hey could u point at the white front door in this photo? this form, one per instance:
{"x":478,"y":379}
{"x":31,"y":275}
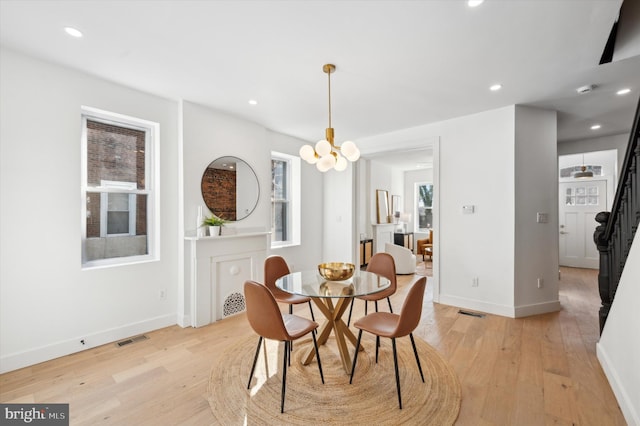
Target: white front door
{"x":579,"y":204}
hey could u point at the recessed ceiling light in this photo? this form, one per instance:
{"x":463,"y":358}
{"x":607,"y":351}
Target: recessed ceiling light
{"x":623,"y":91}
{"x":73,"y":32}
{"x":495,"y":87}
{"x":595,"y":127}
{"x":253,"y":102}
{"x":474,"y":3}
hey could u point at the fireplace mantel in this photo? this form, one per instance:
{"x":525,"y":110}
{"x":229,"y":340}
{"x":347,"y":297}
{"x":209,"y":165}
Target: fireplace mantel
{"x":215,"y":271}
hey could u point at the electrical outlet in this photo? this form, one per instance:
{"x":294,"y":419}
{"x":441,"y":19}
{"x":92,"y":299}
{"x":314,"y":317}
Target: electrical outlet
{"x":162,"y":294}
{"x":475,"y":282}
{"x":540,"y":282}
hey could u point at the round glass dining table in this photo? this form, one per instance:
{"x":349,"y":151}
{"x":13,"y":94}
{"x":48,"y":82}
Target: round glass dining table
{"x":323,"y":293}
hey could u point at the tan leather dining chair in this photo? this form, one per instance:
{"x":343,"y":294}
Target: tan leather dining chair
{"x":381,"y":264}
{"x":385,"y":324}
{"x":267,"y":320}
{"x":276,"y":267}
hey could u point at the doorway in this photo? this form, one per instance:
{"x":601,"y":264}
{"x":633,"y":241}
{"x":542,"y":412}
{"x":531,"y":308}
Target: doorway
{"x":580,"y":200}
{"x":579,"y":203}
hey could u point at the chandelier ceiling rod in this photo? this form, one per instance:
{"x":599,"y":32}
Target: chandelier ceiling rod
{"x":329,"y":68}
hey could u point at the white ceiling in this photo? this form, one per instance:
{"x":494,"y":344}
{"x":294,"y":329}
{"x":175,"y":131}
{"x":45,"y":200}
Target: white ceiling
{"x":399,"y":63}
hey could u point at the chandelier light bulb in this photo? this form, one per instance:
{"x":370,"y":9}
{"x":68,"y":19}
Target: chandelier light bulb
{"x":341,"y":163}
{"x":323,"y":148}
{"x":325,"y":163}
{"x":350,"y":150}
{"x":308,"y":154}
{"x":330,"y":159}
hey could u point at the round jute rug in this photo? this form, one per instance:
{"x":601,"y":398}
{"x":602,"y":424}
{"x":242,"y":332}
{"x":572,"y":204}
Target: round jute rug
{"x":370,"y":400}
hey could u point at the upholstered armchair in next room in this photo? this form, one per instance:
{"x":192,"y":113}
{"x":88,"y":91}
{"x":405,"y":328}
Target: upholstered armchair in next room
{"x":426,"y":243}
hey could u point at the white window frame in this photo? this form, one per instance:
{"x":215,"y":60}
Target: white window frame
{"x":152,"y":185}
{"x":294,"y":219}
{"x":416,"y":193}
{"x":104,"y":206}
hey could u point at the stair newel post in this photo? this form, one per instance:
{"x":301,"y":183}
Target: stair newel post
{"x":603,"y":276}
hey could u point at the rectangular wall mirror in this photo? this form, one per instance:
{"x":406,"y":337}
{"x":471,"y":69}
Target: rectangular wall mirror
{"x":382,"y":204}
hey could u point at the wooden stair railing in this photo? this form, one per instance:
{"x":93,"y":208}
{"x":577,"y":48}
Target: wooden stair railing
{"x":614,"y":235}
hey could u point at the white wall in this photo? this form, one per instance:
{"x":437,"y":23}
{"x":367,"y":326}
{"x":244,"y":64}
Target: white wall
{"x":47,"y":303}
{"x":477,"y":166}
{"x":619,"y":346}
{"x":338,"y":222}
{"x":536,"y":191}
{"x":309,"y":253}
{"x":210,"y":134}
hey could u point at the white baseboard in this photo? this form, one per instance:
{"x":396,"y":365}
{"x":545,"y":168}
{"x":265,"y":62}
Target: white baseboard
{"x":505,"y":311}
{"x":184,"y":320}
{"x":629,"y":412}
{"x":33,"y":356}
{"x":537,"y":309}
{"x":476,"y":305}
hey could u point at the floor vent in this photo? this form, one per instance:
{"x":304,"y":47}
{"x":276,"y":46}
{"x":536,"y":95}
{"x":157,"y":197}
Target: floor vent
{"x":131,"y":340}
{"x":471,"y":314}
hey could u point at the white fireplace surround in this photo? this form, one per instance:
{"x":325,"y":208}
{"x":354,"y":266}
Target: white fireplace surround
{"x":382,"y":234}
{"x":216,"y":269}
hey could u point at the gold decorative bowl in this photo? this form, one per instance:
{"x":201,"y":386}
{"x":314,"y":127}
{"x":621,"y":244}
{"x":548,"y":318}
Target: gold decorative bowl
{"x":336,"y":271}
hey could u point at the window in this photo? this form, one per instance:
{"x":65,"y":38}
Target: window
{"x":582,"y":196}
{"x":568,"y":172}
{"x":424,"y":206}
{"x":285,"y":200}
{"x":119,"y":201}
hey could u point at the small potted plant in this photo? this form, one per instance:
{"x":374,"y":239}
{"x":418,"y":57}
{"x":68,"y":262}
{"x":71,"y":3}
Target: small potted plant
{"x":214,"y":223}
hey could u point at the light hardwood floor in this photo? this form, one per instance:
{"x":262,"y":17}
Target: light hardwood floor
{"x":531,"y":371}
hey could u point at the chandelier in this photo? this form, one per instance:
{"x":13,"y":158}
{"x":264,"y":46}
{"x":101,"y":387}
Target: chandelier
{"x":327,"y":154}
{"x":583,"y":173}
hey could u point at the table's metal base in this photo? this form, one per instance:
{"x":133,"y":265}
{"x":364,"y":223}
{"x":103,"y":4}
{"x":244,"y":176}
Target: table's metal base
{"x":334,"y":322}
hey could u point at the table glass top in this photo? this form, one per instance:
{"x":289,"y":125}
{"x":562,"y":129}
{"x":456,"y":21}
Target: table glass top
{"x":310,"y":283}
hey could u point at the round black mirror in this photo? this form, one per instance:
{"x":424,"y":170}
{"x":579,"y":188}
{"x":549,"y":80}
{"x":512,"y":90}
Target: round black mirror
{"x":230,"y":188}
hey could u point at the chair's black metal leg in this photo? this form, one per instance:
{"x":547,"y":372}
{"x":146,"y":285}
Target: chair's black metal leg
{"x":395,"y":362}
{"x":415,"y":352}
{"x":284,"y":374}
{"x":290,"y":343}
{"x":353,"y":301}
{"x":315,"y":344}
{"x":376,"y":303}
{"x":390,"y":308}
{"x":255,"y":360}
{"x":366,"y":305}
{"x":355,"y":356}
{"x":377,"y":347}
{"x":311,"y":309}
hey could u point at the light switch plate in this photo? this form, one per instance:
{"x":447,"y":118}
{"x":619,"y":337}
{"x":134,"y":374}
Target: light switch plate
{"x":468,"y":209}
{"x":542,"y":217}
